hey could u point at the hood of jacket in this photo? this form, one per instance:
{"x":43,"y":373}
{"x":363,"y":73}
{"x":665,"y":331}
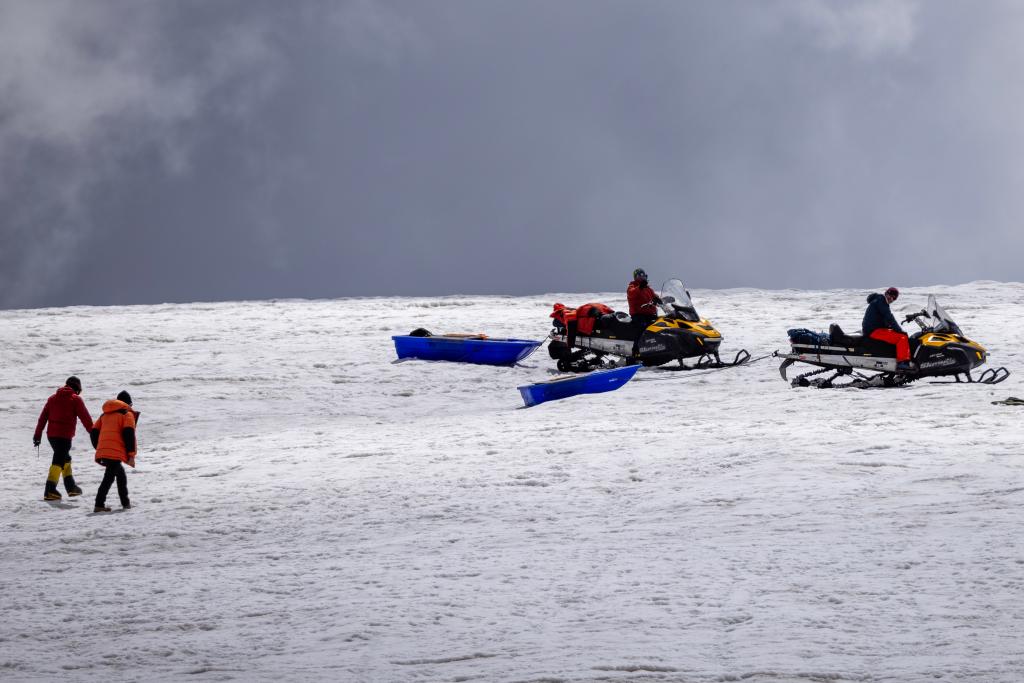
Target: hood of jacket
{"x":65,"y":393}
{"x":115,"y":406}
{"x":874,"y":296}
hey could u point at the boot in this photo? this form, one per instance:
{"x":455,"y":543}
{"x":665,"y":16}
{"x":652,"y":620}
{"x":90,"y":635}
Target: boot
{"x":51,"y":492}
{"x":101,"y":508}
{"x":71,"y":487}
{"x":69,"y":481}
{"x":52,"y":477}
{"x":126,"y":505}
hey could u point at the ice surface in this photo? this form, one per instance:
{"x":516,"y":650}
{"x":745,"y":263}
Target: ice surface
{"x":306,"y":510}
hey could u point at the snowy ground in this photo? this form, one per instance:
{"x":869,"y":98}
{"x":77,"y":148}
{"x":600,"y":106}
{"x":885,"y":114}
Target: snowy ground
{"x":305,"y":510}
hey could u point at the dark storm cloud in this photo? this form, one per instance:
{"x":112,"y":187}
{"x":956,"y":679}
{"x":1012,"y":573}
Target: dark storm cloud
{"x":196,"y":151}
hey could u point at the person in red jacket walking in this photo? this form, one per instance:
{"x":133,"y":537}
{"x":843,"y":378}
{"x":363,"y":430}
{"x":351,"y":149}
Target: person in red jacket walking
{"x":62,"y":412}
{"x":113,"y":436}
{"x":643,"y":305}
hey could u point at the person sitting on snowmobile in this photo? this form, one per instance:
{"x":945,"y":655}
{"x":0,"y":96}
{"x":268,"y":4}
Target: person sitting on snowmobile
{"x":643,"y":305}
{"x":879,"y":323}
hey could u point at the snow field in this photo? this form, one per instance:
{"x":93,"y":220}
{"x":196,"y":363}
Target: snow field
{"x":306,"y":510}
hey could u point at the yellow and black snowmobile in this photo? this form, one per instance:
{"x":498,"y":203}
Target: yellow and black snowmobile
{"x":587,"y":337}
{"x":939,"y":349}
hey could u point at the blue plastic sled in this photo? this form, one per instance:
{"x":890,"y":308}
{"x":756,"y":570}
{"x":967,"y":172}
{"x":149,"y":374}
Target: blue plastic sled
{"x":465,"y":350}
{"x":592,"y":383}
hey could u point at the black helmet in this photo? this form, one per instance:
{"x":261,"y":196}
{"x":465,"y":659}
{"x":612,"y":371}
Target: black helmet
{"x":125,"y":397}
{"x":639,"y":274}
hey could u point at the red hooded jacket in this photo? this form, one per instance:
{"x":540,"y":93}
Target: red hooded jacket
{"x":641,"y":299}
{"x":61,"y":411}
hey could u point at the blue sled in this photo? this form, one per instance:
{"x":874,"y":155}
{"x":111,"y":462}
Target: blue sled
{"x":465,"y":350}
{"x":592,"y":383}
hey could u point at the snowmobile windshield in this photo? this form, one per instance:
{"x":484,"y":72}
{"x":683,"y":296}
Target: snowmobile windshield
{"x":676,"y":301}
{"x":941,"y":322}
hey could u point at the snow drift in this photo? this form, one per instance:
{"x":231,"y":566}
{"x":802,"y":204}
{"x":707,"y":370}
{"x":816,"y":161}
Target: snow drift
{"x":305,"y":510}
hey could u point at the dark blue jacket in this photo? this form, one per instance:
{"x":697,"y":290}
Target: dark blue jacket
{"x":878,"y":316}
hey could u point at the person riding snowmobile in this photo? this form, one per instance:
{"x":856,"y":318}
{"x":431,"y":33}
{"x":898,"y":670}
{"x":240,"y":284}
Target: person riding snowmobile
{"x":879,"y":323}
{"x":643,"y":305}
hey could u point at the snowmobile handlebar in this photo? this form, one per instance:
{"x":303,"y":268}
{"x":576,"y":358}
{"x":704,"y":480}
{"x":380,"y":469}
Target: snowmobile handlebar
{"x":915,"y":316}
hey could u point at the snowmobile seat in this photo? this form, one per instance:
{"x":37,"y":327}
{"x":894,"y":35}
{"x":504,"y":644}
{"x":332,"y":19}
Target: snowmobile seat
{"x":868,"y":344}
{"x":617,"y":324}
{"x":837,"y":336}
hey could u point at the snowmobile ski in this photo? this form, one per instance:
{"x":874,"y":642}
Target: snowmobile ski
{"x":711,"y":362}
{"x":695,"y":372}
{"x":989,"y":376}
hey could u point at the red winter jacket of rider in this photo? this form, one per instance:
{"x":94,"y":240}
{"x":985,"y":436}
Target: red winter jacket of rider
{"x":641,"y":298}
{"x":61,"y":411}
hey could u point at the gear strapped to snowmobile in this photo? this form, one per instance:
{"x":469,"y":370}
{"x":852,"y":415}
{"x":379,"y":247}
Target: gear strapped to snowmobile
{"x":939,"y":349}
{"x":584,"y":338}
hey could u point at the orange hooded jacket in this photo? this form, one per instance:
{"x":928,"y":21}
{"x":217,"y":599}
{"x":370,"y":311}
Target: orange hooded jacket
{"x":114,"y":433}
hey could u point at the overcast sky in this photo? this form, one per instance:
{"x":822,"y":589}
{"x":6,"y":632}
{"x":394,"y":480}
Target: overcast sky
{"x":251,"y":149}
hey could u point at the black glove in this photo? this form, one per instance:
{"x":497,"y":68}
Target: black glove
{"x":910,"y":317}
{"x":36,"y":442}
{"x":657,"y":300}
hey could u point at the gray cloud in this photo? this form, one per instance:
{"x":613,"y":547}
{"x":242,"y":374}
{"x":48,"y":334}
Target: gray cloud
{"x":869,"y":29}
{"x":85,"y":88}
{"x":191,"y":151}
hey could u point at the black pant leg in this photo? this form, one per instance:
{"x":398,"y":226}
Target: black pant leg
{"x":61,"y":450}
{"x":640,"y":323}
{"x":108,"y":478}
{"x":122,"y":483}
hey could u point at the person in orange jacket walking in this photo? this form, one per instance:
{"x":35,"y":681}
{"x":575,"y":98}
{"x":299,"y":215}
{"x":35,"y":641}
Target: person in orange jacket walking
{"x":113,"y":436}
{"x":60,"y":417}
